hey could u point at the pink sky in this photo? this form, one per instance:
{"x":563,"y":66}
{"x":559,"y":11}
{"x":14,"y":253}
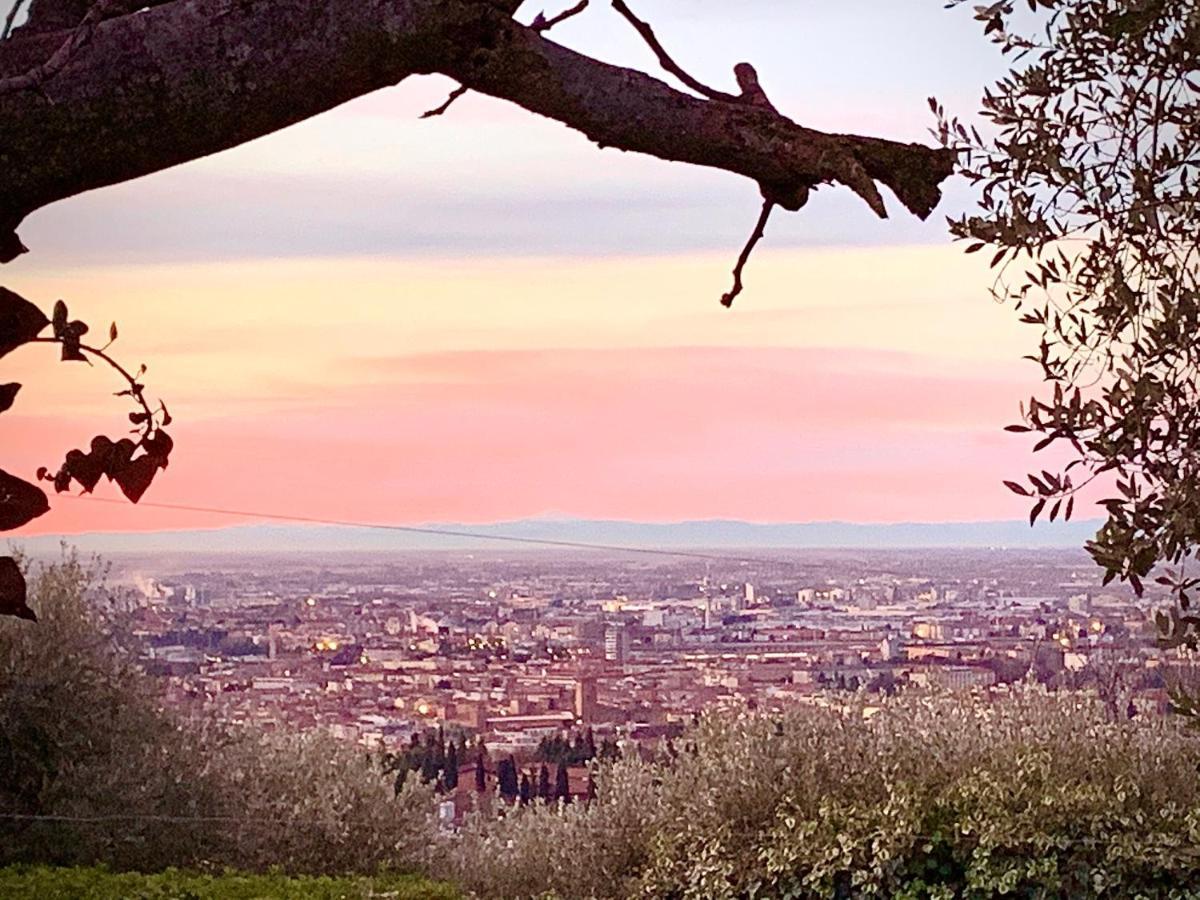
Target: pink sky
{"x":854,"y":409}
{"x":372,"y":317}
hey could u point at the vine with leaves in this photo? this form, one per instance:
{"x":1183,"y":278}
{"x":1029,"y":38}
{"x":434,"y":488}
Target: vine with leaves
{"x":131,"y":462}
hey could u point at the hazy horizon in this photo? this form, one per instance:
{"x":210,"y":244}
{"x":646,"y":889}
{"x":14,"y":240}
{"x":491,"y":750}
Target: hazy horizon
{"x":515,"y":535}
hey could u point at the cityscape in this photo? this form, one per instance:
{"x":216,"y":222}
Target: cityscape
{"x":506,"y":651}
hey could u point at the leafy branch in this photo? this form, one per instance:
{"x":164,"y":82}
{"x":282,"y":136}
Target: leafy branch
{"x":1089,"y":202}
{"x":130,"y":462}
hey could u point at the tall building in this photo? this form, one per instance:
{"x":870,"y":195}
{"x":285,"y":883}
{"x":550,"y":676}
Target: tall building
{"x":889,"y":647}
{"x":749,"y":595}
{"x":616,"y":644}
{"x":585,"y":699}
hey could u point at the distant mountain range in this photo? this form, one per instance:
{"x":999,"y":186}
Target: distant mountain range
{"x":706,"y":534}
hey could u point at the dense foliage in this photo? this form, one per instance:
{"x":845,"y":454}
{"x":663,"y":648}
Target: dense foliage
{"x":1088,"y":206}
{"x":93,"y":769}
{"x":46,"y":883}
{"x":1036,"y":795}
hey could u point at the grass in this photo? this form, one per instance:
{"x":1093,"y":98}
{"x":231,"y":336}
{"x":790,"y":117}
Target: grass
{"x":50,"y":883}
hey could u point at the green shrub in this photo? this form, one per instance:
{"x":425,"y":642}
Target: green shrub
{"x":93,"y":769}
{"x":47,"y":883}
{"x":1033,"y":795}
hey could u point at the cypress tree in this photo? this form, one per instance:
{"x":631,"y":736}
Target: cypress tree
{"x":439,"y":748}
{"x":430,"y":769}
{"x":508,"y":778}
{"x":589,"y":743}
{"x":526,"y":790}
{"x":562,"y":784}
{"x":544,"y":784}
{"x":480,"y":773}
{"x":450,"y":776}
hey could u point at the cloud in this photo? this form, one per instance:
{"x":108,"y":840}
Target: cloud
{"x":692,"y":432}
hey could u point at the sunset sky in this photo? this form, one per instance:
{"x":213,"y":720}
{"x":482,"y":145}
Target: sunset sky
{"x":482,"y":317}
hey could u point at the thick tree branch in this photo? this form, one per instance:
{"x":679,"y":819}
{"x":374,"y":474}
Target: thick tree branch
{"x":188,"y":78}
{"x":540,"y":24}
{"x":54,"y":15}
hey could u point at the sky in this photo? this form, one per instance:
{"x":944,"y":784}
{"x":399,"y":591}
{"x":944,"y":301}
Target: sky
{"x":482,"y":317}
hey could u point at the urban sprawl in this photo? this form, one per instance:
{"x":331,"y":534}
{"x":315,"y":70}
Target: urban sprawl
{"x":535,"y":658}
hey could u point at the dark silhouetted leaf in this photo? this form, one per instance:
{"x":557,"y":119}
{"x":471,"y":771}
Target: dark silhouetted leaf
{"x":13,"y":592}
{"x":20,"y":502}
{"x":158,"y":447}
{"x":20,"y":321}
{"x":118,"y":457}
{"x":71,"y":337}
{"x":8,"y":393}
{"x":135,"y":478}
{"x":60,"y":318}
{"x":86,"y":468}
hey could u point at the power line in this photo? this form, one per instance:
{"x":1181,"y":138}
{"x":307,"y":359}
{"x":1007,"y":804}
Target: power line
{"x":1156,"y":841}
{"x":452,"y":533}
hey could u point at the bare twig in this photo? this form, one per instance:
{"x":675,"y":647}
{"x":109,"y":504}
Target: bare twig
{"x":665,"y":60}
{"x":136,"y":390}
{"x":752,"y":92}
{"x":437,"y":111}
{"x":759,"y":229}
{"x":12,"y":17}
{"x":540,"y":24}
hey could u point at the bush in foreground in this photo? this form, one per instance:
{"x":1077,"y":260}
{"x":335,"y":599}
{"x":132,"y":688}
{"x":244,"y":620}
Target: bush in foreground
{"x":94,"y":769}
{"x":1033,"y":795}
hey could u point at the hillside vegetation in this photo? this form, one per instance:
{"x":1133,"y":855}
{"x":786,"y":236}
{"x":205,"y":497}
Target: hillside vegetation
{"x":1030,"y":795}
{"x":94,"y":770}
{"x":1034,"y":796}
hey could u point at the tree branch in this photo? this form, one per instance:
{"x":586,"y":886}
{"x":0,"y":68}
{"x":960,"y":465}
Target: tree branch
{"x":540,"y":24}
{"x":664,"y":58}
{"x":187,"y":78}
{"x":55,"y":15}
{"x":441,"y":110}
{"x":760,"y":229}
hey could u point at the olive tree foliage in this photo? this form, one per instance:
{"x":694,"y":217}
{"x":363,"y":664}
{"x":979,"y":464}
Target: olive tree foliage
{"x":914,"y":797}
{"x":95,"y":769}
{"x":1088,"y":181}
